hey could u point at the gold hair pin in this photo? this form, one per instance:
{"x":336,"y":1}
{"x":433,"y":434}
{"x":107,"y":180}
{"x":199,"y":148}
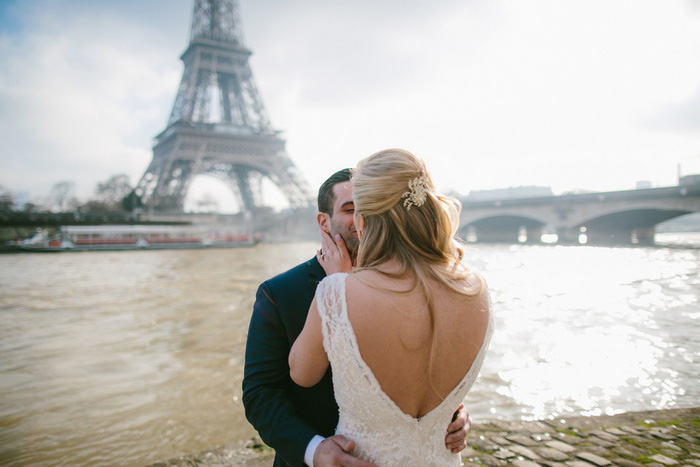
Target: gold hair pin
{"x":416,"y":194}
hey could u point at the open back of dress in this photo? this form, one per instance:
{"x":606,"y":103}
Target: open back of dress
{"x":382,"y":432}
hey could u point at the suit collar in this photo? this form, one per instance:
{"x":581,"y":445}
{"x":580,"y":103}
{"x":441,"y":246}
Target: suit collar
{"x":315,"y":269}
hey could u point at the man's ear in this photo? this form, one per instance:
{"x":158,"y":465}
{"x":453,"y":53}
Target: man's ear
{"x":324,"y":222}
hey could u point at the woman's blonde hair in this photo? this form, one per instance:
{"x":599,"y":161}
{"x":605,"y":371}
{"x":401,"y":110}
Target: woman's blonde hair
{"x":407,"y":220}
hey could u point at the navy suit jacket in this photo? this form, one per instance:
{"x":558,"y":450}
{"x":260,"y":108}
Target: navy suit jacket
{"x":285,"y":415}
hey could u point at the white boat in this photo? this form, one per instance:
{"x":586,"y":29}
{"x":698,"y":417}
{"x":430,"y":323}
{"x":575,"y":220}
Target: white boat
{"x":138,"y":237}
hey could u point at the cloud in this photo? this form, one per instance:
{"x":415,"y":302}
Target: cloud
{"x":495,"y":94}
{"x":83,"y":92}
{"x":681,"y":116}
{"x":491,"y":93}
{"x":356,"y":52}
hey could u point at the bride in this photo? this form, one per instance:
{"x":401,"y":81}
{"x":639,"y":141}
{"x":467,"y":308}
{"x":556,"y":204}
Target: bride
{"x":406,"y":332}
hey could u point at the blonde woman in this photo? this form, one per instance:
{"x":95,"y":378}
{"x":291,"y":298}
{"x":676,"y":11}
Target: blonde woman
{"x":406,"y":332}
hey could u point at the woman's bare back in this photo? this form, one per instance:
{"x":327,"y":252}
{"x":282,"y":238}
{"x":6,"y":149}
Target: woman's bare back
{"x":395,"y":338}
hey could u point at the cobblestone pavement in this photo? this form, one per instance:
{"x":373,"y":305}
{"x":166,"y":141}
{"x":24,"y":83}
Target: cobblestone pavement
{"x":653,"y":439}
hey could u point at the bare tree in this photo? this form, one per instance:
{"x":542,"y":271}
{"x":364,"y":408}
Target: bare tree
{"x":7,"y":199}
{"x":62,"y":196}
{"x":113,"y":191}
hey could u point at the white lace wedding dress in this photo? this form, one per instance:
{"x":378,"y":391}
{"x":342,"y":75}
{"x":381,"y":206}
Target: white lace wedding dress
{"x":383,"y":433}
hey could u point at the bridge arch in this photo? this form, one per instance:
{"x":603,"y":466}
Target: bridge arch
{"x":502,"y":227}
{"x":636,"y":225}
{"x":608,"y":217}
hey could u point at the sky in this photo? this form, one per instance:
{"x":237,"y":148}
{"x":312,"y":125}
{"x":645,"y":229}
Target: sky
{"x":574,"y":95}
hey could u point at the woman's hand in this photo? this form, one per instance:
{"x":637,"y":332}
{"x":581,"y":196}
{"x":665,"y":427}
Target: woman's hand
{"x":333,"y":255}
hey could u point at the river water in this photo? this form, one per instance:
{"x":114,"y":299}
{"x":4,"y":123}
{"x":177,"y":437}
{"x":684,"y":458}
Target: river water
{"x":135,"y":357}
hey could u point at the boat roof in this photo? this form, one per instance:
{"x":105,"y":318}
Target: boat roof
{"x":136,"y":229}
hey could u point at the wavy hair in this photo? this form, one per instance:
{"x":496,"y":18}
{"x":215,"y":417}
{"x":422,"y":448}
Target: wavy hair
{"x":422,"y":238}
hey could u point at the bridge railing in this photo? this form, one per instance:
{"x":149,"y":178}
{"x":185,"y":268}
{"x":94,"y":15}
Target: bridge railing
{"x":648,"y":193}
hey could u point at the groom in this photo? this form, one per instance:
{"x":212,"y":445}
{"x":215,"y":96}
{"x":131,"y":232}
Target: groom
{"x":291,"y":419}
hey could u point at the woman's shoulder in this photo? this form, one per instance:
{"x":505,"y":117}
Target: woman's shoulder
{"x":330,"y":293}
{"x":468,"y":281}
{"x":469,"y":294}
{"x":362,"y":275}
{"x":335,"y":278}
{"x":477,"y":281}
{"x":358,"y":281}
{"x":368,"y":280}
{"x":333,"y":284}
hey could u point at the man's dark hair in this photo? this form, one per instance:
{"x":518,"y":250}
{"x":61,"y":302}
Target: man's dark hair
{"x":325,"y":193}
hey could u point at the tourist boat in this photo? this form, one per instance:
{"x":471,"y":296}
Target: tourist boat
{"x":137,"y":237}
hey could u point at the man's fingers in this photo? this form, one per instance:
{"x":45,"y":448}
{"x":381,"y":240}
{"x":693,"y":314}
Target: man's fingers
{"x":350,"y":461}
{"x":459,"y":410}
{"x":455,"y":438}
{"x":337,"y":451}
{"x":457,"y":424}
{"x":459,"y":448}
{"x":345,"y":444}
{"x":459,"y":419}
{"x":456,"y":441}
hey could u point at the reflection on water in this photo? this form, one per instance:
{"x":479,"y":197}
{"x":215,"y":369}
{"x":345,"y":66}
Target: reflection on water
{"x":134,"y":357}
{"x":590,"y":330}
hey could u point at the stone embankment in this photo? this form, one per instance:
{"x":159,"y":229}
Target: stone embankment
{"x":653,"y":439}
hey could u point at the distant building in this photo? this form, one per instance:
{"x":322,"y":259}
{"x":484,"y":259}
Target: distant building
{"x":510,"y":193}
{"x":689,"y":180}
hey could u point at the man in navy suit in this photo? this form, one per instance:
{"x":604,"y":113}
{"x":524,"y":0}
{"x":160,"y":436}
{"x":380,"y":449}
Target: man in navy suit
{"x":298,"y":423}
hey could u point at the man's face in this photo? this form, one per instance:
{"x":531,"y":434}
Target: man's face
{"x":341,"y":220}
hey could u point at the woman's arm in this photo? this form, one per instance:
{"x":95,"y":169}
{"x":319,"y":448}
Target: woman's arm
{"x":308,"y":361}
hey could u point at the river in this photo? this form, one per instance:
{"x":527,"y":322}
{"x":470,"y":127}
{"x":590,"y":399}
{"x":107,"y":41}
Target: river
{"x":135,"y":357}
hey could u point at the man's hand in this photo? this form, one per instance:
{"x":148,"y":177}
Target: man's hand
{"x":456,"y":439}
{"x":335,"y":451}
{"x":334,"y":256}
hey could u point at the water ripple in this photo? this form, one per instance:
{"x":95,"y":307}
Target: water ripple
{"x":138,"y":356}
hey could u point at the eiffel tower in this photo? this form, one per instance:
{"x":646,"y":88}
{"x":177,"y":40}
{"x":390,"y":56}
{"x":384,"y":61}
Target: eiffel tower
{"x":218,"y":125}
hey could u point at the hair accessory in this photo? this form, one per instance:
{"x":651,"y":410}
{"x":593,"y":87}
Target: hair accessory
{"x":416,"y":194}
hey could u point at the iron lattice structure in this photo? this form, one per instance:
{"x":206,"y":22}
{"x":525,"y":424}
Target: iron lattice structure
{"x":218,"y":125}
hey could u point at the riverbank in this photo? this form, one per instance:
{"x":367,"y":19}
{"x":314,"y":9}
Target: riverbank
{"x":652,"y":438}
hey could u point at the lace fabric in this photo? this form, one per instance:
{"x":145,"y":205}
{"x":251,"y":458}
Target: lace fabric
{"x":382,"y":432}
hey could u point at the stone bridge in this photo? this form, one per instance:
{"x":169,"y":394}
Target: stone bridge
{"x":615,"y":217}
